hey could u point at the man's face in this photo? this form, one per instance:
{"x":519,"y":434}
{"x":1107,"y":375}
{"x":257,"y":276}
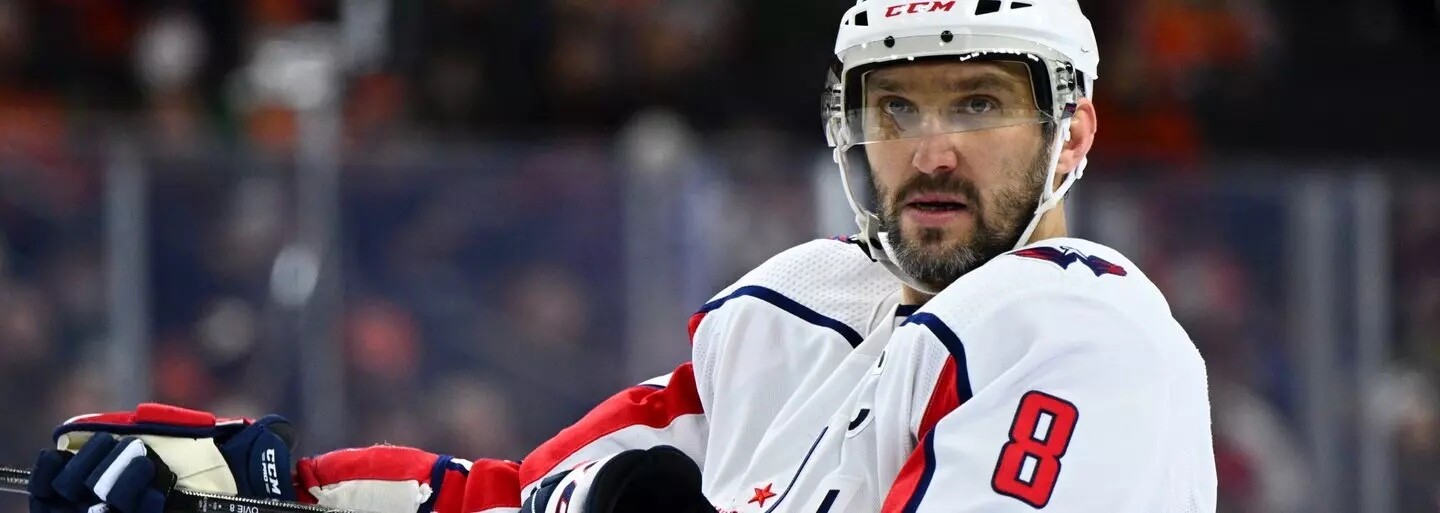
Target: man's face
{"x":958,"y":160}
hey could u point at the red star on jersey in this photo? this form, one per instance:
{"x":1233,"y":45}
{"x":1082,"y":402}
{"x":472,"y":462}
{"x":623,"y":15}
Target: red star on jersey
{"x":762,"y":495}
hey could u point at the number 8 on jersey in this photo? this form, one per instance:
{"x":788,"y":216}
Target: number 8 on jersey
{"x":1038,"y":439}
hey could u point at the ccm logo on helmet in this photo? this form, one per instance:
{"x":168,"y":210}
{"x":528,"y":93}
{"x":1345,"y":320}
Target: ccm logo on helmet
{"x":915,"y":7}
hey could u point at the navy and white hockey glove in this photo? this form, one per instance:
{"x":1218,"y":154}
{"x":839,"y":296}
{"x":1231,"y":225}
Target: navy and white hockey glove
{"x":635,"y":481}
{"x":129,"y":461}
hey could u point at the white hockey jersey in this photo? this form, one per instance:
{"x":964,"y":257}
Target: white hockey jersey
{"x":1052,"y":378}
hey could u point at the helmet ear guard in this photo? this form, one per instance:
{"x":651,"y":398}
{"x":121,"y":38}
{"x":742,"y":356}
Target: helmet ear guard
{"x":832,"y":105}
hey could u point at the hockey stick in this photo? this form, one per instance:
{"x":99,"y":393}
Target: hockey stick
{"x":186,"y":501}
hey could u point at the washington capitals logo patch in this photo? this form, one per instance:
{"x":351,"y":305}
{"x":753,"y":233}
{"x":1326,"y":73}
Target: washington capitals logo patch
{"x":1063,"y":257}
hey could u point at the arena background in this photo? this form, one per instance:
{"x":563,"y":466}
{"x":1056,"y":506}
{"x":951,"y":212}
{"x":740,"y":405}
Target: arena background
{"x":457,"y":224}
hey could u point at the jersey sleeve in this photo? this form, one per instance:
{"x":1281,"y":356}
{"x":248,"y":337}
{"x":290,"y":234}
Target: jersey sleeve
{"x":823,"y":291}
{"x":662,"y":411}
{"x":1054,"y":401}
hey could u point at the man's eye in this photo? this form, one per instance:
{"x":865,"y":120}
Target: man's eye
{"x":978,"y":105}
{"x":897,"y":107}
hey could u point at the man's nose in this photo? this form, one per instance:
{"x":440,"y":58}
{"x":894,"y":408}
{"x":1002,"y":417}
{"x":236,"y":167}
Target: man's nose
{"x":936,"y":154}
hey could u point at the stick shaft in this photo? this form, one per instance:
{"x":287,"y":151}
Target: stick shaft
{"x":187,"y":501}
{"x":14,"y":481}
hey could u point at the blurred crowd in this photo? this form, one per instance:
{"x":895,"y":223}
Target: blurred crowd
{"x":1178,"y":78}
{"x":482,"y":200}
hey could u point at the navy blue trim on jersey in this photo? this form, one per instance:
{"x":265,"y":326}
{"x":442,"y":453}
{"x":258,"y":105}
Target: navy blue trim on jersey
{"x":796,"y":477}
{"x":651,"y":386}
{"x":437,"y":480}
{"x":791,"y":306}
{"x":952,"y":343}
{"x":914,"y":504}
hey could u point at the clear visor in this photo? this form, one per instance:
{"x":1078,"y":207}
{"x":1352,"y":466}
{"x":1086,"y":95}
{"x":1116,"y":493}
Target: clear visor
{"x":909,"y":100}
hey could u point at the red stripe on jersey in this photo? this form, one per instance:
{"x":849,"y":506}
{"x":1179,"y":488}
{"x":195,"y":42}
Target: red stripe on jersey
{"x":943,"y":399}
{"x":634,"y":406}
{"x":695,"y":325}
{"x":491,"y":484}
{"x":908,"y":482}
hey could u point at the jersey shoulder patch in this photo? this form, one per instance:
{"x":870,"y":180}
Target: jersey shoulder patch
{"x":1063,"y":256}
{"x":1079,"y":269}
{"x":1068,"y":254}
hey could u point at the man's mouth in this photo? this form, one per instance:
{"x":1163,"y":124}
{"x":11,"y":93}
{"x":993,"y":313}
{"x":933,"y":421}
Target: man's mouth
{"x":935,"y":210}
{"x":936,"y":203}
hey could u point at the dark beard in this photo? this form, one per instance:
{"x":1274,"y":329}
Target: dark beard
{"x":997,"y":224}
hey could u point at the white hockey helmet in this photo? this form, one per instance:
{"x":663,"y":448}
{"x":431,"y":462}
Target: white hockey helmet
{"x":1052,"y":37}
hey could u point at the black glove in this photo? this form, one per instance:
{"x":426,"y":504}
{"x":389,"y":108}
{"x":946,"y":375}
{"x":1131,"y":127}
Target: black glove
{"x":659,"y":479}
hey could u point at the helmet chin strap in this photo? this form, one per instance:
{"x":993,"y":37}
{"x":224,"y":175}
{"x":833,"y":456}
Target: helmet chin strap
{"x":875,"y":244}
{"x":885,"y":258}
{"x":1050,"y":196}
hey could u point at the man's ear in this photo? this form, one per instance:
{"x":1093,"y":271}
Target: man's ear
{"x":1078,"y":140}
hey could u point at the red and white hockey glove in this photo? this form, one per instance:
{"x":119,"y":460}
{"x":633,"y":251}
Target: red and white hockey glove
{"x":635,"y":481}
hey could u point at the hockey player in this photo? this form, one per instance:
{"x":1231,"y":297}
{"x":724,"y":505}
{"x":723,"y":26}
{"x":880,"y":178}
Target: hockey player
{"x":960,"y":354}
